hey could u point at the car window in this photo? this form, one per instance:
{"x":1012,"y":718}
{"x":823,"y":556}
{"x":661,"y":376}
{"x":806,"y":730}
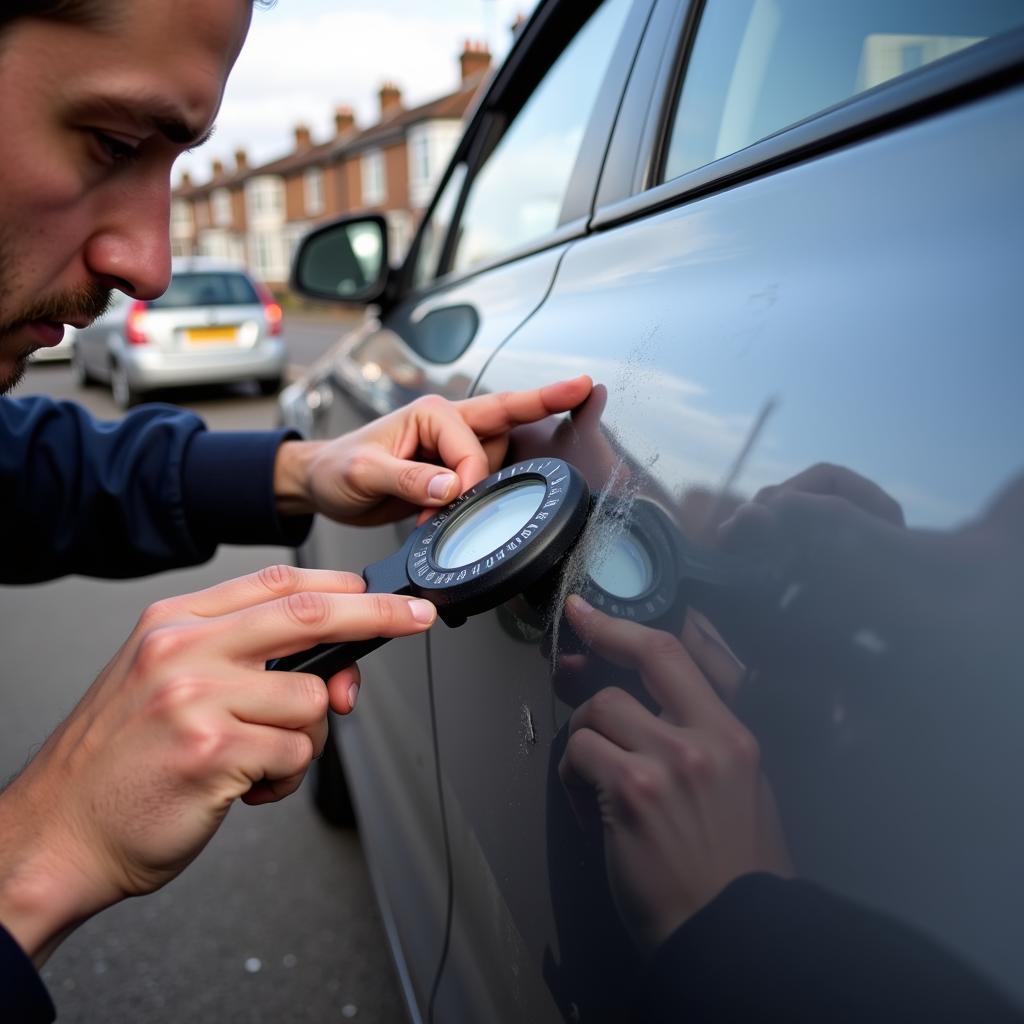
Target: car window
{"x":207,"y":289}
{"x":435,"y":229}
{"x":758,"y":66}
{"x":517,"y":195}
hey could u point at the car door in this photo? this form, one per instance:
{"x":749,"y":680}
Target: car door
{"x":804,"y":256}
{"x":518,"y":190}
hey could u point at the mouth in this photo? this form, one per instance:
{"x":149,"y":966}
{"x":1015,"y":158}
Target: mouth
{"x":47,"y":332}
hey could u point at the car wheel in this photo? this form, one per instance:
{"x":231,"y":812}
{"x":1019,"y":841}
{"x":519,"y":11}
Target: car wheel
{"x":125,"y":396}
{"x":331,"y":796}
{"x":270,"y":386}
{"x":79,"y":373}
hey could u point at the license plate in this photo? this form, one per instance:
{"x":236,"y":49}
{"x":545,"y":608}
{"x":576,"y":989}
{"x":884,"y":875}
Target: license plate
{"x":205,"y":335}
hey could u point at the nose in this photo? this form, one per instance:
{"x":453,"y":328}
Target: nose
{"x":131,"y":249}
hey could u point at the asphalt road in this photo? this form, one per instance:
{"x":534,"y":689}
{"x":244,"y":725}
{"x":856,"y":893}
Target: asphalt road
{"x":275,"y":922}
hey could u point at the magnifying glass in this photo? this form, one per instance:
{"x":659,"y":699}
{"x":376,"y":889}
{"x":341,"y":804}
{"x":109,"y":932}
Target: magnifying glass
{"x":498,"y":539}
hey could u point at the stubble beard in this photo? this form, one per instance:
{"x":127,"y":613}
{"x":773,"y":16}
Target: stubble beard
{"x":87,"y":302}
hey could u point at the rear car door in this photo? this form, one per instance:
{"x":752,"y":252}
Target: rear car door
{"x":517,"y":192}
{"x":804,"y":253}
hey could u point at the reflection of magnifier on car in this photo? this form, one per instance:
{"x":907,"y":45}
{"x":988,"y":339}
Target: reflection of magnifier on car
{"x":499,"y":538}
{"x":641,"y":567}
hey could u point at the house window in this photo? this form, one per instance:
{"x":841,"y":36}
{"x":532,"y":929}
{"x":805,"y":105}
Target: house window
{"x":181,"y":216}
{"x":220,"y":202}
{"x":313,"y":189}
{"x":265,"y":198}
{"x":374,"y":187}
{"x":267,"y":256}
{"x":430,"y":146}
{"x":419,"y":157}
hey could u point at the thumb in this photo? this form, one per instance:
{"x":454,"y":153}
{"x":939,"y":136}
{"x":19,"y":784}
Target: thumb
{"x":418,"y":483}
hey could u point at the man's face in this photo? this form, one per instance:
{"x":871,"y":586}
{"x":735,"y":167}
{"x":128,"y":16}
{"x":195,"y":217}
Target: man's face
{"x":91,"y":121}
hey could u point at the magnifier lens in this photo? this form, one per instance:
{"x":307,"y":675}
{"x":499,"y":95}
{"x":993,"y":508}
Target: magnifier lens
{"x":625,"y":570}
{"x":494,"y":520}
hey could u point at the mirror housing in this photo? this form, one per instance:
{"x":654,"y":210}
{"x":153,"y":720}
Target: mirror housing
{"x":344,"y":261}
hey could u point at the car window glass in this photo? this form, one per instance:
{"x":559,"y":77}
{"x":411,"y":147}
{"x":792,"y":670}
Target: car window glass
{"x":516,"y":196}
{"x":207,"y":289}
{"x":435,"y":229}
{"x":760,"y":65}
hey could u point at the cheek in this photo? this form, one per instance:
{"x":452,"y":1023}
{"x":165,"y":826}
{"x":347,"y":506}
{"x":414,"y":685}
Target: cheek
{"x":42,"y":246}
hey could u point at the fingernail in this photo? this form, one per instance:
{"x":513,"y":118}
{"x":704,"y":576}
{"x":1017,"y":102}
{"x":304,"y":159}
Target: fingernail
{"x":440,"y":485}
{"x":422,"y":611}
{"x":353,"y":693}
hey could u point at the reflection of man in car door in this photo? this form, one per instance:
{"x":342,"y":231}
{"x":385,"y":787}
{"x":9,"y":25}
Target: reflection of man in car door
{"x":696,"y":859}
{"x":97,"y":99}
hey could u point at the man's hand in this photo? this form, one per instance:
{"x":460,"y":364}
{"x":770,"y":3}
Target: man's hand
{"x":684,"y":805}
{"x":421,"y":456}
{"x":182,"y":722}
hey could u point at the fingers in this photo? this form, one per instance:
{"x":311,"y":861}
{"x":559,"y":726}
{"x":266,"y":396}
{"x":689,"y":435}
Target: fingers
{"x":471,"y":436}
{"x":668,"y":671}
{"x":827,"y":479}
{"x":488,"y":415}
{"x":268,"y":584}
{"x":712,"y":656}
{"x":444,"y":429}
{"x":592,"y":761}
{"x":417,"y":483}
{"x":294,"y":623}
{"x":343,"y":690}
{"x":620,"y":718}
{"x":271,"y":754}
{"x":287,"y":700}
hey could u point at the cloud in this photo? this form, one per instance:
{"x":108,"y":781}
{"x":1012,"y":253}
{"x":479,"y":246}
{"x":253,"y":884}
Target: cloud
{"x":300,"y":62}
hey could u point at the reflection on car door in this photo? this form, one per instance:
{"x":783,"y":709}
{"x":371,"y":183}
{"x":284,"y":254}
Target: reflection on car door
{"x":856,"y":309}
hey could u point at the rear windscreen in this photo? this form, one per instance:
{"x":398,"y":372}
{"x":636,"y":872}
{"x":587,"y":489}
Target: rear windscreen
{"x":212,"y":288}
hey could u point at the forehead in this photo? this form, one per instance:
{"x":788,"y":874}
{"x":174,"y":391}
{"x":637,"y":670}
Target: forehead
{"x":165,"y":59}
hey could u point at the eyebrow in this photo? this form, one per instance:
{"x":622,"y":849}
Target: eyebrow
{"x":144,"y":111}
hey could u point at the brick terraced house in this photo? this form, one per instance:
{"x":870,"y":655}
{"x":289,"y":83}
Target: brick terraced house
{"x":256,"y":215}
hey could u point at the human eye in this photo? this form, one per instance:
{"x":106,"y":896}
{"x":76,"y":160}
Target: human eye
{"x":113,"y":149}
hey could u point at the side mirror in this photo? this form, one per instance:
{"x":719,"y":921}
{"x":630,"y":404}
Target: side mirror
{"x":344,"y":261}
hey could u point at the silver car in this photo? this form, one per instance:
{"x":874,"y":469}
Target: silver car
{"x":57,"y":353}
{"x":213,"y":325}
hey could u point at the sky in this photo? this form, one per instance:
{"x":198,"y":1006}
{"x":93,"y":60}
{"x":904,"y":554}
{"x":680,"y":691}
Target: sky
{"x":303,"y":58}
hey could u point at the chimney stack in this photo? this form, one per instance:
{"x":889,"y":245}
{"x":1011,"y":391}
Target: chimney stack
{"x":474,"y":60}
{"x":303,"y":140}
{"x":241,"y":160}
{"x":218,"y":169}
{"x":390,"y":100}
{"x":344,"y":121}
{"x":185,"y":180}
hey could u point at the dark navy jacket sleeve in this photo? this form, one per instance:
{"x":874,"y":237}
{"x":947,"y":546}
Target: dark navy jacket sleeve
{"x":23,"y":997}
{"x":767,"y":949}
{"x":152,"y":491}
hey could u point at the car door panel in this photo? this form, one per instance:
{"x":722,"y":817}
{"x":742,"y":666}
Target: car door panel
{"x":858,"y":309}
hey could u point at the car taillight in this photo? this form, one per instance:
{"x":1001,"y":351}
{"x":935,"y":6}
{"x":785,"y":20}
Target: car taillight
{"x":133,"y":325}
{"x":271,"y":310}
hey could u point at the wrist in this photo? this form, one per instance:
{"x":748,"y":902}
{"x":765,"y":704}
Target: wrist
{"x":292,"y":491}
{"x":44,"y":891}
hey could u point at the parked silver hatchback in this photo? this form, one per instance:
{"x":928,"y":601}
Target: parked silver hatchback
{"x":213,"y":325}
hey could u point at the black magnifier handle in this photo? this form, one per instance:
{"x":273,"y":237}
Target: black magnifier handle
{"x":387,"y":576}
